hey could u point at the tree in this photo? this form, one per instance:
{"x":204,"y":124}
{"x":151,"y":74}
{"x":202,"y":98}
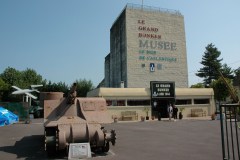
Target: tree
{"x":48,"y":86}
{"x":30,"y":77}
{"x":237,"y":71}
{"x":211,"y":65}
{"x":198,"y":85}
{"x":3,"y":85}
{"x":221,"y":91}
{"x":83,"y":86}
{"x":3,"y":88}
{"x":227,"y":71}
{"x":236,"y":80}
{"x":21,"y":79}
{"x":11,"y":76}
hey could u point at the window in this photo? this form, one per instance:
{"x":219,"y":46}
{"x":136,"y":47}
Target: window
{"x":109,"y":102}
{"x":183,"y":101}
{"x":115,"y":102}
{"x":120,"y":102}
{"x":201,"y":101}
{"x":138,"y":102}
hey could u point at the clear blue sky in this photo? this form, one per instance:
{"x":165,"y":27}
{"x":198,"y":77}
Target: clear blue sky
{"x":65,"y":40}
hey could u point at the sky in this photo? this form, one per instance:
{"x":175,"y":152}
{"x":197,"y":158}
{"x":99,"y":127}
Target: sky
{"x":67,"y":40}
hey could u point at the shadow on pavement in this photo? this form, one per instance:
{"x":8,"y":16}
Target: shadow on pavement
{"x":32,"y":147}
{"x":29,"y":147}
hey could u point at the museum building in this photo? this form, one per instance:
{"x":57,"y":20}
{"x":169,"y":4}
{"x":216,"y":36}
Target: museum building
{"x":146,"y":69}
{"x":146,"y":44}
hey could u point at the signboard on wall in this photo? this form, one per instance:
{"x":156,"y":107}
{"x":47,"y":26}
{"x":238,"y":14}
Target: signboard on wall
{"x":162,"y":89}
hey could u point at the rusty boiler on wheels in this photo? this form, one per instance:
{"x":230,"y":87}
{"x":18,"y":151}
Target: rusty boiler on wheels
{"x":75,"y":120}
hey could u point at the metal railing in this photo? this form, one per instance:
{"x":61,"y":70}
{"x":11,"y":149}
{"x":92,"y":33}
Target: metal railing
{"x":149,"y":9}
{"x":229,"y":121}
{"x":152,"y":9}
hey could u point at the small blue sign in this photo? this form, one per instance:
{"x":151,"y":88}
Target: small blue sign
{"x":159,"y":66}
{"x":152,"y":67}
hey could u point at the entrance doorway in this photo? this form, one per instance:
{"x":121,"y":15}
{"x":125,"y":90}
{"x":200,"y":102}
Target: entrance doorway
{"x":162,"y":94}
{"x":160,"y":106}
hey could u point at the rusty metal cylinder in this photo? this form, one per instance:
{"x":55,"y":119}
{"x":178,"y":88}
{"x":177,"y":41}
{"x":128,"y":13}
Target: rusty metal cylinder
{"x":80,"y":133}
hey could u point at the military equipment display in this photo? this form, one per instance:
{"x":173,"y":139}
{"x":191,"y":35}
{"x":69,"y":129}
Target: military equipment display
{"x":229,"y":121}
{"x":230,"y":89}
{"x":75,"y":120}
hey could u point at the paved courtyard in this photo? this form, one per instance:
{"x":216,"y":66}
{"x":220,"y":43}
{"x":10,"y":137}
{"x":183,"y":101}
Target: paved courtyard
{"x":180,"y":140}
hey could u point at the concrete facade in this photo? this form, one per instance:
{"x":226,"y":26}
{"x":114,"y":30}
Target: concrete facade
{"x":146,"y":44}
{"x":187,"y":99}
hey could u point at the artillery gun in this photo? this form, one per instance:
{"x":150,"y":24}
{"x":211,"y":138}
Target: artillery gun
{"x":231,"y":90}
{"x":75,"y":120}
{"x":230,"y":124}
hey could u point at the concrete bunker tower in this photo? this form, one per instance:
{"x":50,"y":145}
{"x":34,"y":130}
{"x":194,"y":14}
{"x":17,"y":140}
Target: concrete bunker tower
{"x":146,"y":44}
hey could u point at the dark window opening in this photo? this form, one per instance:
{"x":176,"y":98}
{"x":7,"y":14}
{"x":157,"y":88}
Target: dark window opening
{"x":109,"y":103}
{"x":201,"y":101}
{"x":183,"y":101}
{"x":138,"y":102}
